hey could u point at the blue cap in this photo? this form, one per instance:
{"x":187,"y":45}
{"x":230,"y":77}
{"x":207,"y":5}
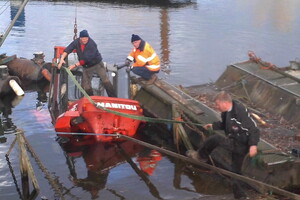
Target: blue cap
{"x":84,"y":33}
{"x":135,"y":38}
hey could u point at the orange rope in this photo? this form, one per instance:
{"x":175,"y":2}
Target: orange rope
{"x":264,"y":65}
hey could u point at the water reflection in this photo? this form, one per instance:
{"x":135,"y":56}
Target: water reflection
{"x":8,"y":102}
{"x":14,"y":8}
{"x":6,"y":124}
{"x":42,"y":95}
{"x":164,"y":34}
{"x":203,"y":181}
{"x":19,"y":26}
{"x":216,"y":38}
{"x":100,"y":158}
{"x":106,"y":162}
{"x":41,"y":87}
{"x":148,"y":2}
{"x":281,"y":14}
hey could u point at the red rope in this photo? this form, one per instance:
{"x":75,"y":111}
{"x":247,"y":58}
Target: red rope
{"x":264,"y":65}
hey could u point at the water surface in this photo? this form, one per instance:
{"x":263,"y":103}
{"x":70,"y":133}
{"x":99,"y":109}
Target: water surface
{"x":195,"y":41}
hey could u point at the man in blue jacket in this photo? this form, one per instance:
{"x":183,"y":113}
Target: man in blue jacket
{"x":91,"y":61}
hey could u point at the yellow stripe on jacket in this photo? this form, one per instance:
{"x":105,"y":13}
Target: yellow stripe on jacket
{"x":147,"y":58}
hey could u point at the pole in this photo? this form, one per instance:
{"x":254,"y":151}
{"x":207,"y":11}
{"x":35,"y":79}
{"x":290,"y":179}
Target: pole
{"x":3,"y":37}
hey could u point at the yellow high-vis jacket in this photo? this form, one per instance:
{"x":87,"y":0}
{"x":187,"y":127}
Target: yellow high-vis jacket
{"x":145,"y":56}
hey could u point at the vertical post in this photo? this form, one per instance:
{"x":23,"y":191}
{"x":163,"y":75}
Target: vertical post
{"x":115,"y":81}
{"x":178,"y":127}
{"x":128,"y":84}
{"x":23,"y":168}
{"x":26,"y":170}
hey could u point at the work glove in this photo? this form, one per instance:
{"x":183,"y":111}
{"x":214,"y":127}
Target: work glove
{"x":127,"y":62}
{"x":128,"y":69}
{"x":120,"y":67}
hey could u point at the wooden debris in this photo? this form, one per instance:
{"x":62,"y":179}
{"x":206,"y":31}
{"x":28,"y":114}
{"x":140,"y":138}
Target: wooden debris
{"x":259,"y":119}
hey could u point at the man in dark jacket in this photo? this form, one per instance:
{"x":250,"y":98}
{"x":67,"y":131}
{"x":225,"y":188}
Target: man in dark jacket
{"x":91,"y":61}
{"x":242,"y":136}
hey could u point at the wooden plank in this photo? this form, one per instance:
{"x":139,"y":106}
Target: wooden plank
{"x":179,"y":95}
{"x":204,"y":114}
{"x":25,"y":164}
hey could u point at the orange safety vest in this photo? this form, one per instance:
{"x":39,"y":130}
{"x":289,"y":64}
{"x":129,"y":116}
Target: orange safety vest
{"x":146,"y":57}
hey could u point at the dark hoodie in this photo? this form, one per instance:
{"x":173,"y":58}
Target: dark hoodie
{"x":90,"y":55}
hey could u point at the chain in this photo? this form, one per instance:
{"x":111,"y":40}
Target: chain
{"x":75,"y":25}
{"x":14,"y":177}
{"x":75,"y":30}
{"x":54,"y":185}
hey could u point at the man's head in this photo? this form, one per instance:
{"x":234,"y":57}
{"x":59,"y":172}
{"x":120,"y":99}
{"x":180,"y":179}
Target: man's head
{"x":84,"y":36}
{"x":135,"y":40}
{"x":223,"y":101}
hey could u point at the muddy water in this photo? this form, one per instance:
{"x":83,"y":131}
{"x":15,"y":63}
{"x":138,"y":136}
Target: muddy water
{"x":195,"y":42}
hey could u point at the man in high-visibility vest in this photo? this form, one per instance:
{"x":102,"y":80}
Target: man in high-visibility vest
{"x":146,"y":61}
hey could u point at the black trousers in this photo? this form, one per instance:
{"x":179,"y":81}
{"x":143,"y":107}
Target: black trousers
{"x":238,"y":153}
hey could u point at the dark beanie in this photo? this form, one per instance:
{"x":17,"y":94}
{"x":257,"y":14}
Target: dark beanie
{"x":135,"y":38}
{"x":84,"y":33}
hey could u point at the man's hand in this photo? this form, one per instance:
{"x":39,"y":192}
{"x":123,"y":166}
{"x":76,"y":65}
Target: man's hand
{"x":62,"y":60}
{"x":128,"y":69}
{"x":120,"y":66}
{"x":252,"y":151}
{"x":207,"y":126}
{"x":72,"y":67}
{"x":127,"y":62}
{"x":60,"y":63}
